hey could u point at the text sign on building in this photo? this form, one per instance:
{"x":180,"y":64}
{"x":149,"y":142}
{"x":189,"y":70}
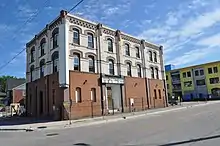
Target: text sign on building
{"x":113,"y":80}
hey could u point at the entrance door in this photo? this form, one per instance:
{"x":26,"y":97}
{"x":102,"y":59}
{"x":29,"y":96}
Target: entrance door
{"x":110,"y":99}
{"x":41,"y":102}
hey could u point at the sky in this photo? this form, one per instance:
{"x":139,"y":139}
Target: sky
{"x":189,"y":30}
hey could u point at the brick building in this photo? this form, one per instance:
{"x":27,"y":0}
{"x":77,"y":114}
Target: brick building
{"x":77,"y":68}
{"x":19,"y":94}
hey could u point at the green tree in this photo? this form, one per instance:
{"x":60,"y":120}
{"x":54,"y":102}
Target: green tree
{"x":3,"y":80}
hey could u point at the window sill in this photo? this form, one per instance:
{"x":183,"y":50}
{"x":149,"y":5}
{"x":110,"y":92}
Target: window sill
{"x":110,"y":52}
{"x":54,"y":48}
{"x":42,"y":55}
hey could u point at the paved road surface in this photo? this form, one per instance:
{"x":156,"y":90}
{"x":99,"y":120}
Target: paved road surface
{"x":199,"y":126}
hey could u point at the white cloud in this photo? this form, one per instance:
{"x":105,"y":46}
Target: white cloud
{"x":211,"y":41}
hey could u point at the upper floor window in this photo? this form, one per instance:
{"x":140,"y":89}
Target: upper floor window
{"x":42,"y":46}
{"x":42,"y":64}
{"x":189,"y":74}
{"x":215,"y":69}
{"x":32,"y":54}
{"x":155,"y":57}
{"x":129,"y":69}
{"x":90,"y":40}
{"x":127,"y":50}
{"x":184,"y":75}
{"x":76,"y":61}
{"x":139,"y":70}
{"x":152,"y":72}
{"x":157,"y":73}
{"x":111,"y":66}
{"x":150,"y":56}
{"x":137,"y":52}
{"x":210,"y":70}
{"x":55,"y":60}
{"x":110,"y":45}
{"x":197,"y":73}
{"x":31,"y":72}
{"x":201,"y":72}
{"x":91,"y":64}
{"x":76,"y":36}
{"x":55,"y":34}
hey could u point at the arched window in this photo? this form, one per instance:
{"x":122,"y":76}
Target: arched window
{"x":55,"y":60}
{"x":152,"y":72}
{"x":139,"y":70}
{"x":76,"y":36}
{"x":42,"y":64}
{"x":55,"y":34}
{"x":111,"y":67}
{"x":31,"y":72}
{"x":157,"y":73}
{"x":93,"y":94}
{"x":76,"y":61}
{"x":90,"y":40}
{"x":137,"y":52}
{"x":127,"y":50}
{"x":78,"y":95}
{"x":155,"y":57}
{"x":42,"y":46}
{"x":32,"y":54}
{"x":150,"y":56}
{"x":110,"y":45}
{"x":91,"y":64}
{"x":128,"y":69}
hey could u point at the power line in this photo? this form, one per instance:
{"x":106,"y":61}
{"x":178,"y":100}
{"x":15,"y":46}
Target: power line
{"x":34,"y":16}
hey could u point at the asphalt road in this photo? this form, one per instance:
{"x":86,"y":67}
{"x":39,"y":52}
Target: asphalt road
{"x":198,"y":126}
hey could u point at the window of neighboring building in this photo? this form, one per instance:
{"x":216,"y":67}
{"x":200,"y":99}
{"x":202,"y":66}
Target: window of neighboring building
{"x":155,"y":93}
{"x":139,"y":70}
{"x":76,"y":36}
{"x":55,"y":34}
{"x":55,"y":60}
{"x":93,"y":94}
{"x":159,"y":92}
{"x":91,"y":64}
{"x":155,"y":57}
{"x":128,"y":69}
{"x":152,"y":72}
{"x":210,"y":70}
{"x":168,"y":86}
{"x":127,"y":50}
{"x":78,"y":95}
{"x":150,"y":56}
{"x":188,"y":84}
{"x":215,"y":69}
{"x":90,"y":40}
{"x":42,"y":46}
{"x":32,"y":54}
{"x":137,"y":52}
{"x":110,"y":45}
{"x":42,"y":64}
{"x":201,"y":72}
{"x":76,"y":62}
{"x":214,"y":80}
{"x":111,"y":67}
{"x":31,"y":72}
{"x":184,"y":75}
{"x":196,"y":73}
{"x":157,"y":73}
{"x":166,"y":77}
{"x":200,"y":95}
{"x":200,"y":82}
{"x":188,"y":74}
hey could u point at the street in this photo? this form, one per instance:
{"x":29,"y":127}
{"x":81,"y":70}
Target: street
{"x":197,"y":126}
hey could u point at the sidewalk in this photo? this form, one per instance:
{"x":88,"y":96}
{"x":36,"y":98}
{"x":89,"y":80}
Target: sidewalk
{"x":103,"y":119}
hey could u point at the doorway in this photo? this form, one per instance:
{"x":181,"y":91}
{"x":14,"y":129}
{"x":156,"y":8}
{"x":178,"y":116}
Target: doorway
{"x":41,"y":102}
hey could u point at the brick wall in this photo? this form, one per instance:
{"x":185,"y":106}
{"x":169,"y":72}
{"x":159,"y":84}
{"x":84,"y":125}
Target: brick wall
{"x":18,"y":96}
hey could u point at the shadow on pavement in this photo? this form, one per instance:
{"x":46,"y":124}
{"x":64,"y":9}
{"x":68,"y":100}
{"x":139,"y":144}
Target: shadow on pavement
{"x":191,"y":141}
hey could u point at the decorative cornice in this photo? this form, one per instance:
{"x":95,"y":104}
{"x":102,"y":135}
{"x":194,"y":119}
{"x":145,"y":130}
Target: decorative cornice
{"x":81,"y":23}
{"x":130,"y":39}
{"x":109,"y":32}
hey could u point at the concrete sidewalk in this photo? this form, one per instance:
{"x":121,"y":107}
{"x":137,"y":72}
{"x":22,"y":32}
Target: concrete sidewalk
{"x":103,"y":119}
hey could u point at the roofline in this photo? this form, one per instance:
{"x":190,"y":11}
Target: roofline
{"x":18,"y":86}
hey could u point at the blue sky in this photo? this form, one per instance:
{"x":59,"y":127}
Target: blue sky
{"x":189,"y":30}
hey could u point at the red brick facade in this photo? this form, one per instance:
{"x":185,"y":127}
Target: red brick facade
{"x":18,"y":96}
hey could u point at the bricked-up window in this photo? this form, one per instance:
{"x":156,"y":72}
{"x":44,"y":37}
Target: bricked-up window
{"x":42,"y":65}
{"x":155,"y":93}
{"x":76,"y":36}
{"x":76,"y":62}
{"x":78,"y":95}
{"x":110,"y":45}
{"x":150,"y":56}
{"x":32,"y":54}
{"x":55,"y":61}
{"x":155,"y":57}
{"x":90,"y":40}
{"x":157,"y":73}
{"x":210,"y":70}
{"x":137,"y":52}
{"x":31,"y":72}
{"x":214,"y":80}
{"x":215,"y":69}
{"x":42,"y":46}
{"x":159,"y":92}
{"x":55,"y":34}
{"x":127,"y":50}
{"x":91,"y":64}
{"x":128,"y":69}
{"x":111,"y":67}
{"x":139,"y":70}
{"x":152,"y":72}
{"x":93,"y":94}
